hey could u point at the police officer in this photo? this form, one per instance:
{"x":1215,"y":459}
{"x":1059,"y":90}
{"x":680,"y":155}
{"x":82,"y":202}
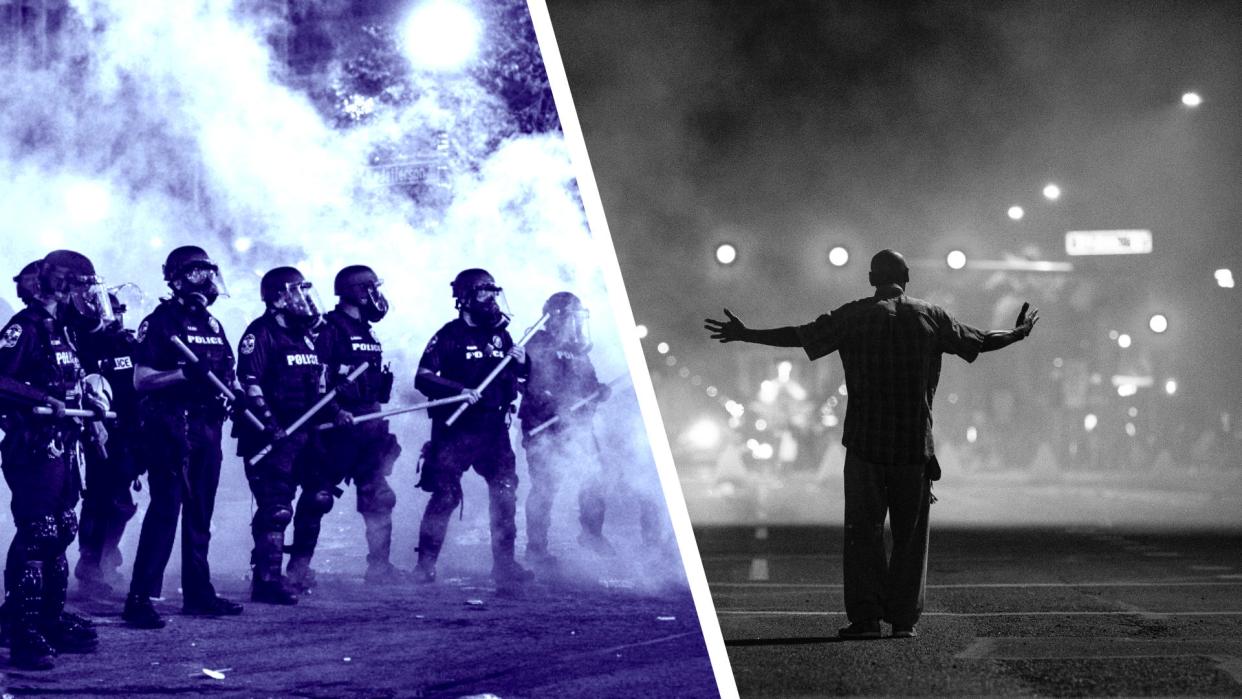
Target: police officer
{"x":107,"y":502}
{"x":182,"y":415}
{"x":40,"y":457}
{"x":27,"y":282}
{"x":283,"y":378}
{"x":561,"y":376}
{"x":367,"y":451}
{"x":456,"y":360}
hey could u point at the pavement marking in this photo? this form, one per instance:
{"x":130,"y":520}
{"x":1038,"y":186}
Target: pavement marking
{"x":951,"y":586}
{"x":759,"y":569}
{"x":1046,"y":613}
{"x":1211,"y":568}
{"x":1225,"y":652}
{"x":761,"y":533}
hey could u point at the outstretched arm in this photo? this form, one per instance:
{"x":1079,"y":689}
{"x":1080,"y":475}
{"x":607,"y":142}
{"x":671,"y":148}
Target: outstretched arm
{"x":998,"y":339}
{"x":733,"y":330}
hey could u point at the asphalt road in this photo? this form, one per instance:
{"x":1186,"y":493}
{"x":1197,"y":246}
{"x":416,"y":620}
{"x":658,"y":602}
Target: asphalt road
{"x":1047,"y":611}
{"x":605,"y":626}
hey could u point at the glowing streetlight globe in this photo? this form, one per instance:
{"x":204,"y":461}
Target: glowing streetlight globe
{"x":1192,"y":99}
{"x":1224,"y":278}
{"x":1052,"y":192}
{"x":1016,"y":213}
{"x":838,"y":256}
{"x":956,"y":259}
{"x":441,"y":35}
{"x":662,"y":348}
{"x":726,"y":254}
{"x":641,"y":331}
{"x":1158,"y":323}
{"x":1123,"y":341}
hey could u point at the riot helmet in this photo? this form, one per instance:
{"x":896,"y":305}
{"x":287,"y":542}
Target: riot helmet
{"x":27,"y":282}
{"x":287,"y":292}
{"x":889,"y":267}
{"x":476,"y":294}
{"x":357,"y":285}
{"x":191,"y":274}
{"x":68,"y":278}
{"x":568,"y":321}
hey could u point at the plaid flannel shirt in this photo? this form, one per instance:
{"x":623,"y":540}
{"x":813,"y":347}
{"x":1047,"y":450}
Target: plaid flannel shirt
{"x":890,"y":347}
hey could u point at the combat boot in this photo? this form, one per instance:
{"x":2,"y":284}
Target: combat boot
{"x":140,"y":613}
{"x":67,"y":635}
{"x":271,"y":592}
{"x":509,"y":573}
{"x":386,"y":573}
{"x":31,"y":651}
{"x":299,"y":576}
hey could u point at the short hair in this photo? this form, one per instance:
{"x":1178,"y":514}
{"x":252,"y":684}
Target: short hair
{"x":889,"y":267}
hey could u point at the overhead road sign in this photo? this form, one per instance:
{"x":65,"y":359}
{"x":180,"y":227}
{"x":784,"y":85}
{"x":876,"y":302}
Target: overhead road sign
{"x":1126,"y":242}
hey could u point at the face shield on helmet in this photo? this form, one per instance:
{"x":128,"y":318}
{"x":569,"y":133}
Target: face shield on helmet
{"x":568,"y":321}
{"x":83,"y":295}
{"x":299,"y":299}
{"x":477,"y":294}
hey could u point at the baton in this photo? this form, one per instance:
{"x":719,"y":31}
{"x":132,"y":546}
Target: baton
{"x":215,"y":381}
{"x":327,"y":398}
{"x":73,"y":412}
{"x":500,"y":367}
{"x":367,"y":417}
{"x":557,"y":418}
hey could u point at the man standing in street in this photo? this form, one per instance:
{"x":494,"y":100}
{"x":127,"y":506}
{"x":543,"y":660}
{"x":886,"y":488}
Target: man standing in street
{"x":890,"y":346}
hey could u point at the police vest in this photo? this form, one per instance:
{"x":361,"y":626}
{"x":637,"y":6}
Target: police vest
{"x":353,"y":342}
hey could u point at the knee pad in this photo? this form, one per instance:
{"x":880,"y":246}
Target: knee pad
{"x":67,"y":527}
{"x":376,"y":498}
{"x":322,"y":501}
{"x":273,"y":518}
{"x":42,"y":538}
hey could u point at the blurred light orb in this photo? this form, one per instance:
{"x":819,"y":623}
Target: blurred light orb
{"x":1132,"y":411}
{"x":1052,"y":192}
{"x":243,"y":244}
{"x":1131,"y":430}
{"x":1113,"y":334}
{"x":726,"y":253}
{"x":87,"y":202}
{"x":662,"y":348}
{"x":640,"y":331}
{"x":761,"y":424}
{"x":155,"y":242}
{"x":1090,"y":421}
{"x":1016,"y":213}
{"x":684,"y":372}
{"x":712,"y":391}
{"x":956,"y":259}
{"x":1170,"y":387}
{"x":972,"y":434}
{"x":1192,"y":99}
{"x":763,"y":451}
{"x":1158,"y":323}
{"x":670,"y":360}
{"x":441,"y":35}
{"x":1123,"y":341}
{"x":838,"y":256}
{"x":1126,"y":390}
{"x":703,"y":434}
{"x":831,"y":420}
{"x":1224,"y":278}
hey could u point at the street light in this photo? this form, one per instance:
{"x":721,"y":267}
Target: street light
{"x":956,"y":259}
{"x":641,"y":331}
{"x":1052,"y":192}
{"x":1224,"y":278}
{"x":838,"y":256}
{"x":1158,"y":323}
{"x":1123,"y":341}
{"x":1016,"y":213}
{"x":441,"y":35}
{"x":1192,"y":99}
{"x":726,"y":254}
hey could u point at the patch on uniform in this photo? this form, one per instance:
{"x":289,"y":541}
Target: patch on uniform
{"x":496,"y":342}
{"x":215,"y":325}
{"x":12,"y":334}
{"x":432,"y":342}
{"x":142,"y":331}
{"x":247,"y":344}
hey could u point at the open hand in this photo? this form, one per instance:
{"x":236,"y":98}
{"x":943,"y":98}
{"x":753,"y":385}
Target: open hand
{"x":1026,"y":320}
{"x":732,"y":330}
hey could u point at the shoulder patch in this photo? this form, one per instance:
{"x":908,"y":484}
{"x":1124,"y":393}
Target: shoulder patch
{"x":215,"y":325}
{"x":142,"y":330}
{"x":247,"y":344}
{"x":434,"y":339}
{"x":12,"y":334}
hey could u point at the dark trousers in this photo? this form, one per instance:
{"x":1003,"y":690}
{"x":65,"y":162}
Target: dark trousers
{"x":294,"y":460}
{"x":452,"y":453}
{"x":183,"y":475}
{"x":880,"y":585}
{"x":107,"y":506}
{"x":45,"y":484}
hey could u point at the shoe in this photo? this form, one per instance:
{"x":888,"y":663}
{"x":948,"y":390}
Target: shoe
{"x":386,"y":574}
{"x":510,"y":573}
{"x":76,"y":620}
{"x":271,"y":592}
{"x":31,"y":651}
{"x":860,"y":630}
{"x":140,"y":613}
{"x":904,"y":631}
{"x":424,"y":573}
{"x":212,"y":606}
{"x":597,"y":543}
{"x":299,"y":576}
{"x":71,"y":634}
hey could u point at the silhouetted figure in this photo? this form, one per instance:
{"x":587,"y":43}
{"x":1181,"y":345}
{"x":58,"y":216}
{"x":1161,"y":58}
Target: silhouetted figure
{"x":890,"y":347}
